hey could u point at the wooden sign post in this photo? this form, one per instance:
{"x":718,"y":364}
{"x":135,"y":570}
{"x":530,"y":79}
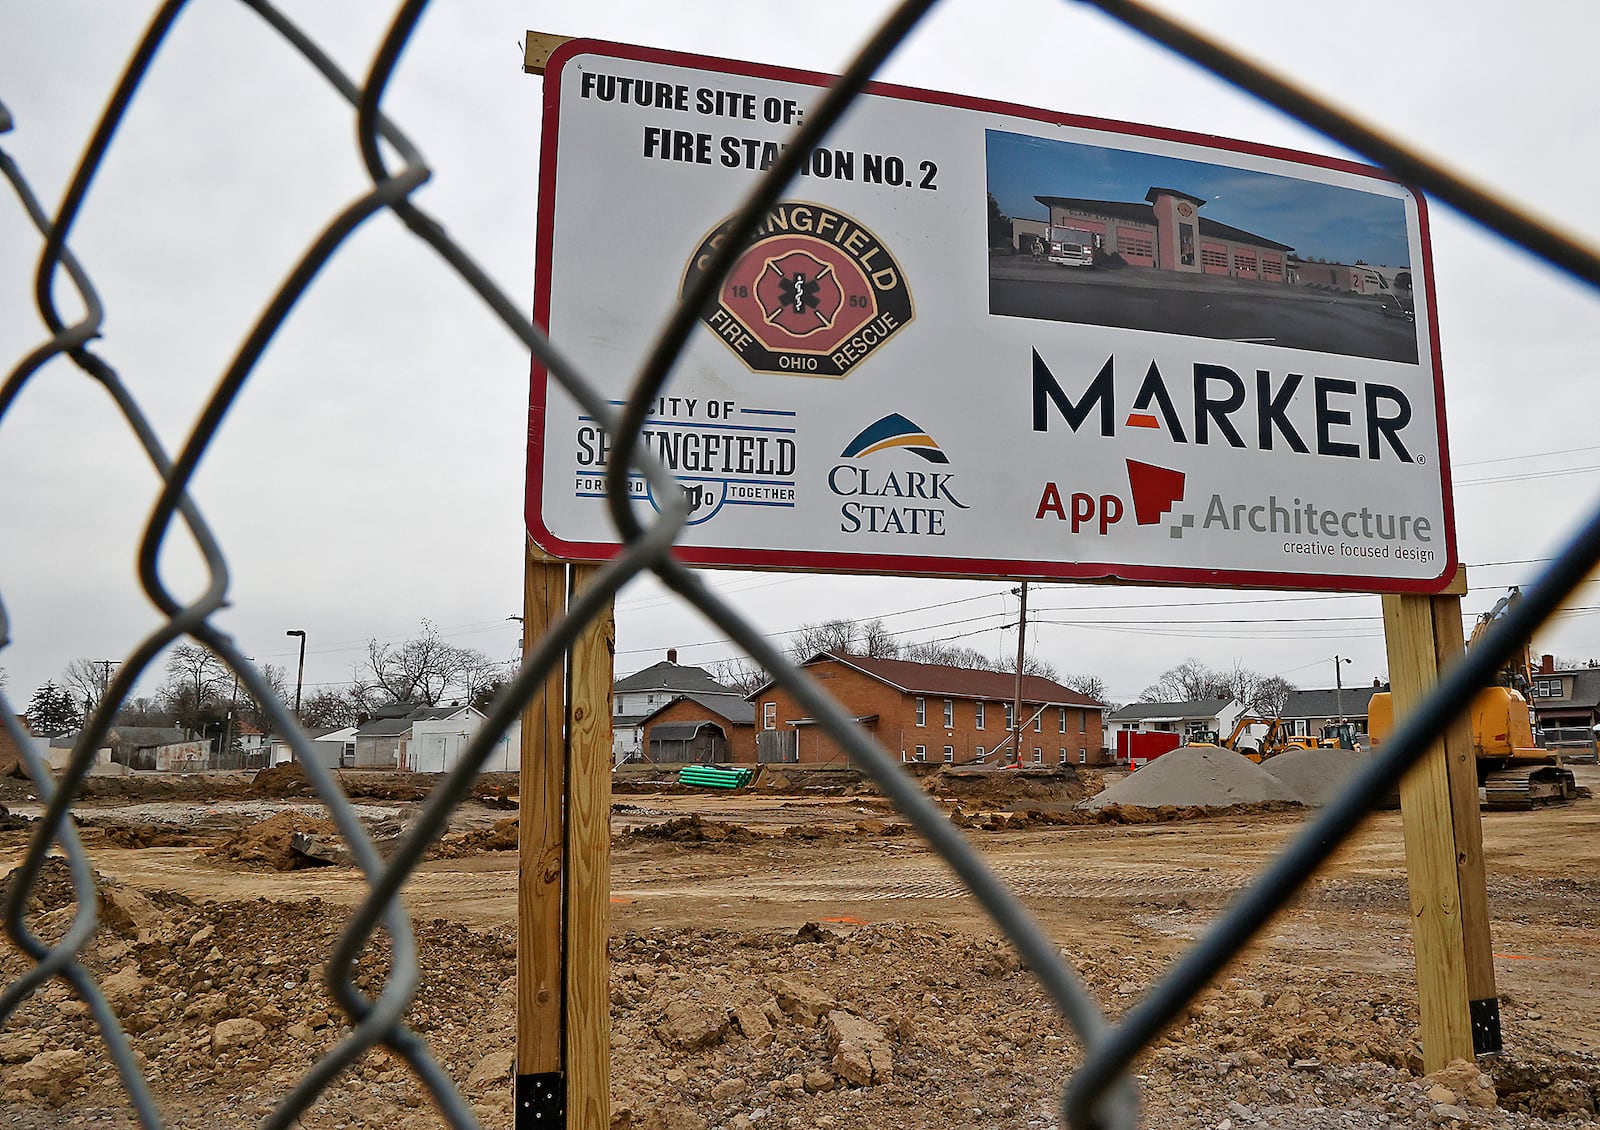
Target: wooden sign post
{"x":563,"y":1056}
{"x":1443,"y":841}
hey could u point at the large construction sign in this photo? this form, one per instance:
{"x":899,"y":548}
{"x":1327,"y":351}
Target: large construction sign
{"x":978,"y":339}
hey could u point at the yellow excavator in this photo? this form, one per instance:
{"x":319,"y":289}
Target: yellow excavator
{"x":1515,"y":771}
{"x":1278,"y":739}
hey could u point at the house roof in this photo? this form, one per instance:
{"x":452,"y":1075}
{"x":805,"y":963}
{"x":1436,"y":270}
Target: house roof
{"x":939,"y":680}
{"x":679,"y":731}
{"x":1325,"y":703}
{"x":1146,"y":214}
{"x":129,"y":737}
{"x":1174,"y":711}
{"x":1585,"y":689}
{"x":674,"y":677}
{"x":728,"y":707}
{"x":384,"y":728}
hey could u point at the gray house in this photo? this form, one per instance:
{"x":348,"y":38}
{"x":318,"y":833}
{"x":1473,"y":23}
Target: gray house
{"x":637,"y":696}
{"x":1306,"y":712}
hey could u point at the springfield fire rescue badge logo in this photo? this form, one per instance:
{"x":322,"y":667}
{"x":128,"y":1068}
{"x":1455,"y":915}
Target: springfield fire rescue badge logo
{"x":813,"y":295}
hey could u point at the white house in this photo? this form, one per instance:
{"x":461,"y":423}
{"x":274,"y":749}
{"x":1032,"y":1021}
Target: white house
{"x":333,"y":749}
{"x":1186,"y":719}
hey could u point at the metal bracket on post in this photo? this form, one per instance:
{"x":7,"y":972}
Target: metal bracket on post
{"x":541,"y":1101}
{"x":1485,"y":1016}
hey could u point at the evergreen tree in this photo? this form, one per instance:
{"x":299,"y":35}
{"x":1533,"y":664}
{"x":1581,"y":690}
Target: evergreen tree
{"x":52,"y":712}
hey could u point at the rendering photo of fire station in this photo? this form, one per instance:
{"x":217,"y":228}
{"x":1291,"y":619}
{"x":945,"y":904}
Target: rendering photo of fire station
{"x":1111,"y":237}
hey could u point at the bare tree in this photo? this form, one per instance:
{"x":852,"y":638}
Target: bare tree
{"x":741,"y":674}
{"x":252,"y":709}
{"x":422,"y":670}
{"x":878,"y":641}
{"x":871,"y":639}
{"x":145,"y":711}
{"x":1091,"y":685}
{"x":1189,"y":681}
{"x":88,"y":680}
{"x":1272,"y":695}
{"x":482,"y":681}
{"x":1031,"y":665}
{"x":1192,"y":680}
{"x":329,"y":707}
{"x":967,"y":657}
{"x":829,"y":635}
{"x":196,"y":689}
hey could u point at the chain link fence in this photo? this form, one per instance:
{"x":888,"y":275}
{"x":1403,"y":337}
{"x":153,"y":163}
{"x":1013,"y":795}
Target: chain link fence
{"x":1101,"y":1093}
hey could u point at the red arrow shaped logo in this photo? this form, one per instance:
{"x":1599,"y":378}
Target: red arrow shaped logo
{"x":1155,"y":491}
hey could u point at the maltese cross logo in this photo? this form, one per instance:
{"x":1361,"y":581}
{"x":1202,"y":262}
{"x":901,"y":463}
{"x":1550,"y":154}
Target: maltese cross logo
{"x":799,"y":293}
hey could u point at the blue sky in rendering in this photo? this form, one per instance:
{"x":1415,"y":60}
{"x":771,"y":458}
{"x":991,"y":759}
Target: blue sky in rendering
{"x":1317,"y":220}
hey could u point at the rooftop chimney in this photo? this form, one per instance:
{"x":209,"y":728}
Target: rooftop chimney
{"x":672,"y":655}
{"x":1547,"y":665}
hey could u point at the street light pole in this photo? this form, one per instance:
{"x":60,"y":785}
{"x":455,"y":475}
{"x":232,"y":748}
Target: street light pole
{"x":300,"y":675}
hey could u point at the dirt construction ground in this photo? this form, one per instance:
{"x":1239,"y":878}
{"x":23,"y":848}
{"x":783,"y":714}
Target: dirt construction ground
{"x":789,"y":957}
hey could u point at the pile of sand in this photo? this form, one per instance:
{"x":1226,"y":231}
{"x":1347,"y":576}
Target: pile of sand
{"x":1315,"y":775}
{"x":1199,"y":776}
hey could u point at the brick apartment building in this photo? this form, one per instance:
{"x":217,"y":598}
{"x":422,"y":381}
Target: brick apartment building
{"x":930,"y":712}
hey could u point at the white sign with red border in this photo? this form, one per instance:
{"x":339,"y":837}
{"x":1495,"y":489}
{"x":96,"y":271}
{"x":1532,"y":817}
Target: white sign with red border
{"x":979,"y":339}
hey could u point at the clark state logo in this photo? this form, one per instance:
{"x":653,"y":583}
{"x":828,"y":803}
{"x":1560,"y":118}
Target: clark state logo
{"x":813,"y":295}
{"x":897,"y":501}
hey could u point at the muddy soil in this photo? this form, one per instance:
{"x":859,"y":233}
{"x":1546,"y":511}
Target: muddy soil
{"x":788,"y":960}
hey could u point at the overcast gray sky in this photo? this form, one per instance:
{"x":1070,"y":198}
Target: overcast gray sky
{"x":372,"y":472}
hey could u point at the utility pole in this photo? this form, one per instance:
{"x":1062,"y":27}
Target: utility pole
{"x":1338,"y":684}
{"x":105,"y":685}
{"x":300,"y":675}
{"x":233,"y":707}
{"x":1022,"y":643}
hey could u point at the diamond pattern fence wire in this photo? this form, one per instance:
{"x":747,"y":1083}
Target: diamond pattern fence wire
{"x":1100,"y":1093}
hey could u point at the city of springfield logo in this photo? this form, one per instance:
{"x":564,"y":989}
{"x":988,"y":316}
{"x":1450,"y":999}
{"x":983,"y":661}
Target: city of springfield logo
{"x":813,"y":295}
{"x":898,"y":501}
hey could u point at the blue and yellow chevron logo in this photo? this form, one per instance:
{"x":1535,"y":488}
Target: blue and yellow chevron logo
{"x":895,"y":431}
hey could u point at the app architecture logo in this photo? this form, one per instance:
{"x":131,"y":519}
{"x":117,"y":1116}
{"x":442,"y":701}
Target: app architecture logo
{"x":813,"y":294}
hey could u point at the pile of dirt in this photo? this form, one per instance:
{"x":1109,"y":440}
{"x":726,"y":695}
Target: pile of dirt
{"x":694,"y":831}
{"x":281,"y":781}
{"x":501,"y":836}
{"x":151,"y":786}
{"x":265,"y":845}
{"x":1034,"y":818}
{"x":1315,"y":775}
{"x":1194,"y":777}
{"x":147,"y":836}
{"x":1008,"y":788}
{"x":498,"y":790}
